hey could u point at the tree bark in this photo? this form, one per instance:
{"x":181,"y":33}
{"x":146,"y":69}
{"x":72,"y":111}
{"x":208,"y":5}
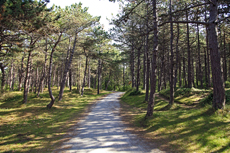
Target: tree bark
{"x":177,"y":56}
{"x":70,"y":78}
{"x":67,"y":69}
{"x":21,"y":72}
{"x":171,"y":100}
{"x":98,"y":76}
{"x":3,"y":77}
{"x":217,"y":78}
{"x":89,"y":75}
{"x":189,"y":56}
{"x":26,"y":88}
{"x":151,"y":101}
{"x":224,"y":60}
{"x":138,"y":68}
{"x":50,"y":73}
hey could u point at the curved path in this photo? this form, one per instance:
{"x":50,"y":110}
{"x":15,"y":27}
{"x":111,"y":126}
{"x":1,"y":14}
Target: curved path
{"x":102,"y":131}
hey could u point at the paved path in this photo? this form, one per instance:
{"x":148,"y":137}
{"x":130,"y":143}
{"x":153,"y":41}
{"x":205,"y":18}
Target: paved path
{"x":102,"y":131}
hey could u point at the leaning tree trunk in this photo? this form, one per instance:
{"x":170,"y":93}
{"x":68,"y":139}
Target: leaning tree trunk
{"x":217,"y":79}
{"x":151,"y":101}
{"x":50,"y":73}
{"x":49,"y":81}
{"x":67,"y":67}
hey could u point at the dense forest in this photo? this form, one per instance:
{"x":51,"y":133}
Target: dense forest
{"x":159,"y":45}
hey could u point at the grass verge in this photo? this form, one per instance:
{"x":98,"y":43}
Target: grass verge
{"x":33,"y":127}
{"x":180,"y":128}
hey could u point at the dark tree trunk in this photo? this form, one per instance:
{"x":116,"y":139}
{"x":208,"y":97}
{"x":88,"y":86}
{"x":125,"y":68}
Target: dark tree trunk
{"x":70,"y":78}
{"x":138,"y":68}
{"x":67,"y":67}
{"x":177,"y":55}
{"x":200,"y":72}
{"x":3,"y":76}
{"x":36,"y":80}
{"x":144,"y":71}
{"x":89,"y":75}
{"x":171,"y":100}
{"x":98,"y":76}
{"x":207,"y":43}
{"x":21,"y":72}
{"x":224,"y":60}
{"x":189,"y":56}
{"x":218,"y":84}
{"x":132,"y":65}
{"x":11,"y":75}
{"x":151,"y":101}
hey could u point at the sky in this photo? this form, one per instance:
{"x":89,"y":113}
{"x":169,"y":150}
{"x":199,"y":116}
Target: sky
{"x":102,"y":8}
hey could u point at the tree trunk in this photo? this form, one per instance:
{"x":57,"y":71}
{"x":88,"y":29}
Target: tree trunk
{"x":89,"y":75}
{"x":98,"y":76}
{"x":171,"y":100}
{"x":151,"y":101}
{"x":189,"y":56}
{"x":70,"y":78}
{"x":21,"y":72}
{"x":177,"y":55}
{"x":207,"y":43}
{"x":138,"y":68}
{"x":67,"y":69}
{"x":218,"y":84}
{"x":3,"y":77}
{"x":84,"y":77}
{"x":25,"y":95}
{"x":224,"y":60}
{"x":50,"y":73}
{"x":200,"y":75}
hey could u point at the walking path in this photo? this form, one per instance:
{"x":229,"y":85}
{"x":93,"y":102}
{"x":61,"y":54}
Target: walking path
{"x":102,"y":131}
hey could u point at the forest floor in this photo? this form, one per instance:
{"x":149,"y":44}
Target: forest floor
{"x":102,"y":131}
{"x":33,"y":128}
{"x":190,"y":125}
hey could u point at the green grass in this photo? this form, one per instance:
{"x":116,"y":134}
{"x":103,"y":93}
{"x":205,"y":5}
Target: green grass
{"x":33,"y":127}
{"x":183,"y":128}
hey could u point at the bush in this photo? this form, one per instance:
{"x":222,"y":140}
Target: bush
{"x":135,"y":92}
{"x":227,"y":84}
